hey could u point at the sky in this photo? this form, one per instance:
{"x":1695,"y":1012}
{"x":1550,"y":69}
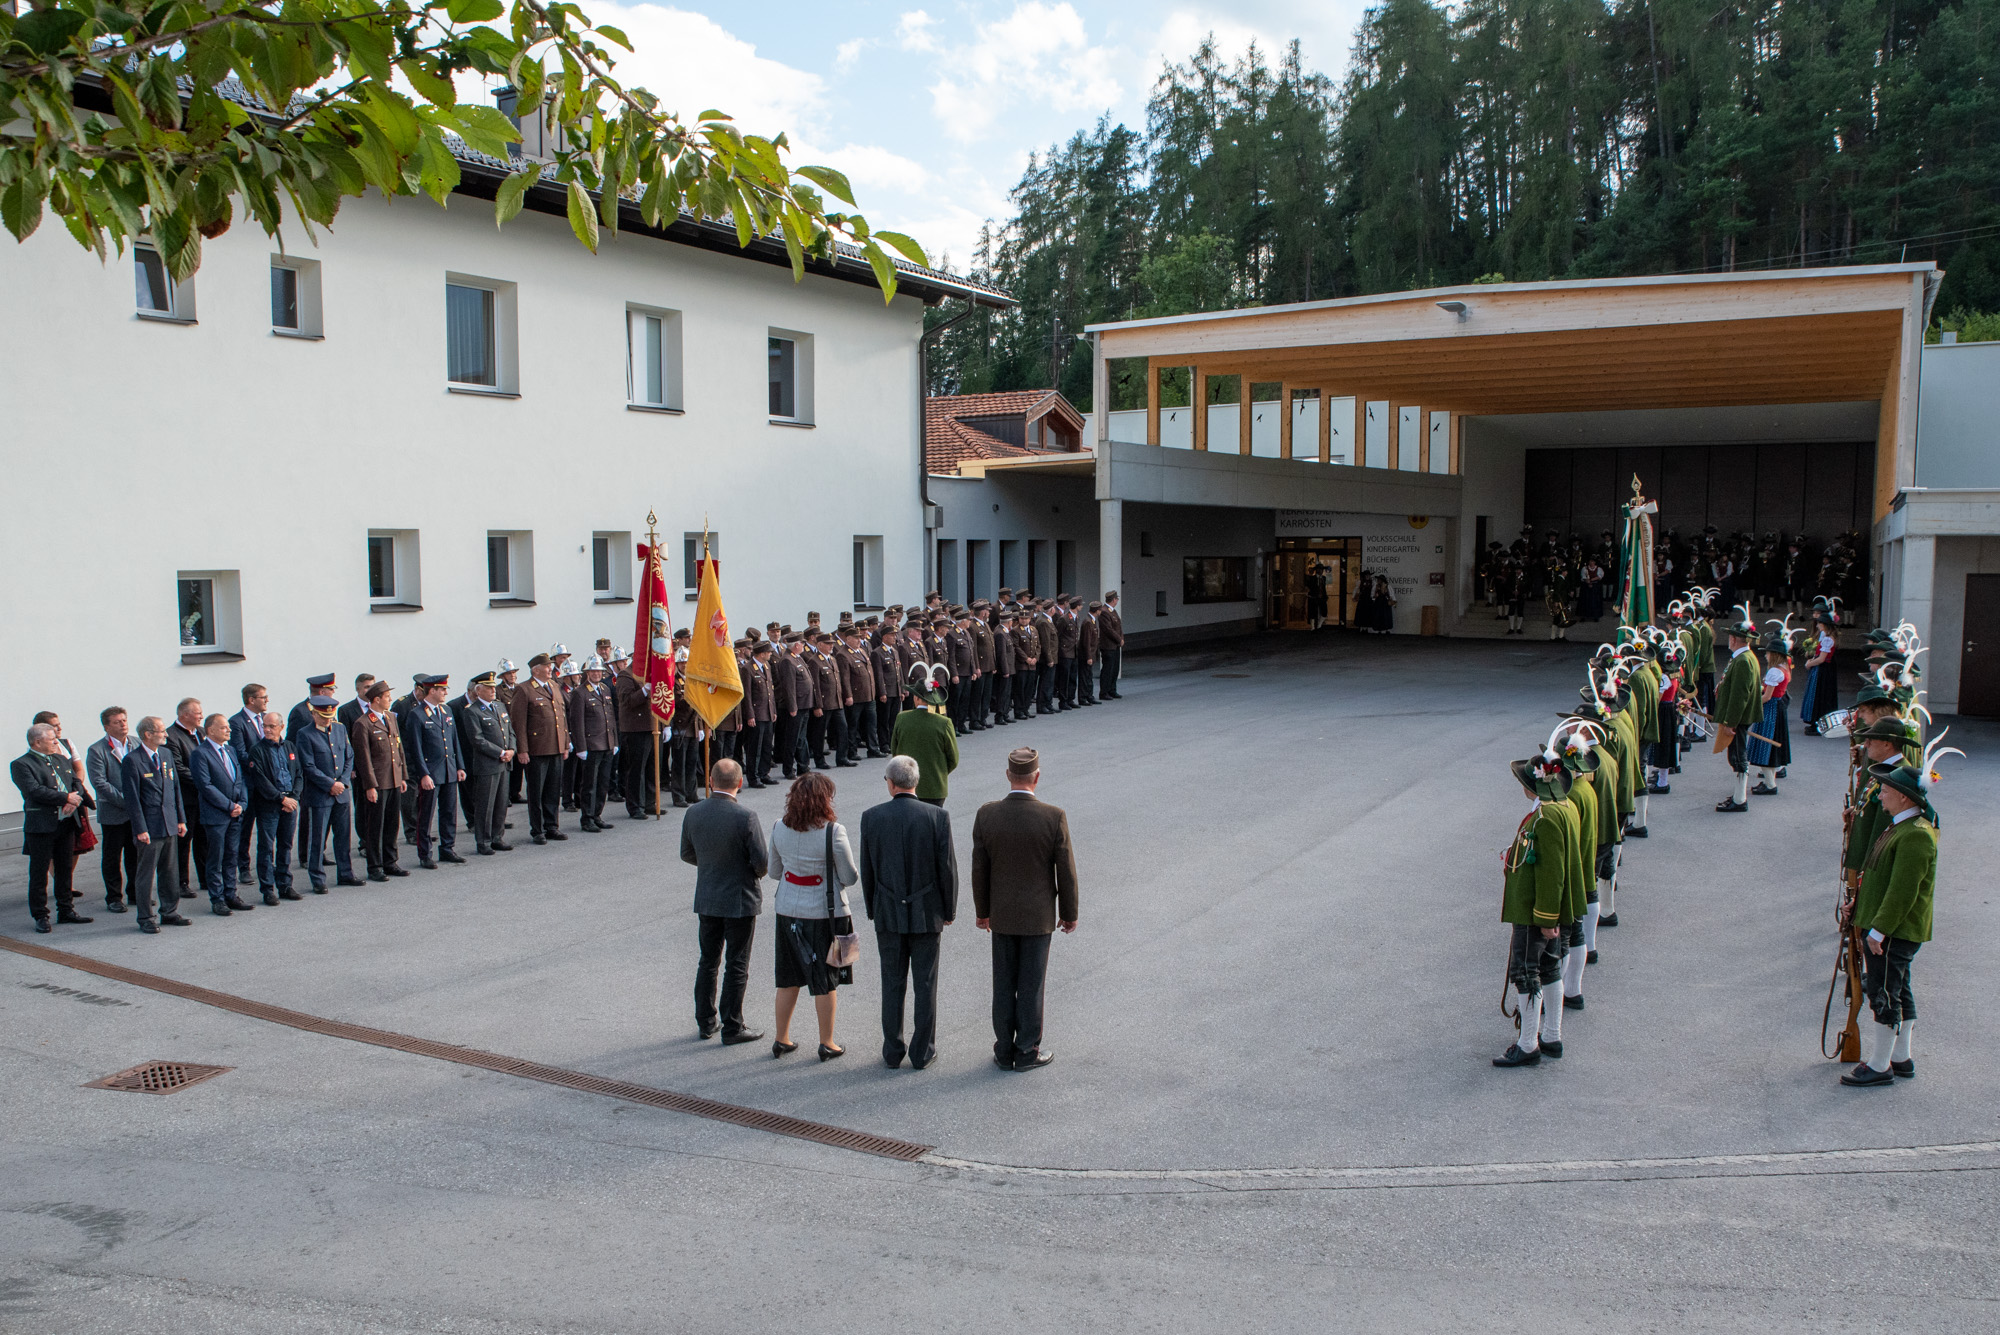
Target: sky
{"x":932,"y":109}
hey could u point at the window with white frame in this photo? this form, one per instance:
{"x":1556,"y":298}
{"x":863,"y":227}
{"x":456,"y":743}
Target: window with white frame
{"x":393,"y":570}
{"x":295,"y":309}
{"x":209,"y":615}
{"x":867,"y":573}
{"x":691,"y":556}
{"x":156,"y":295}
{"x":510,"y":568}
{"x":611,"y":567}
{"x":790,"y":376}
{"x":653,"y":358}
{"x":480,"y":343}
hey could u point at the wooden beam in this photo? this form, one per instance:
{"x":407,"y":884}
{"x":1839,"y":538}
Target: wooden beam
{"x":1152,"y":403}
{"x":1457,"y":420}
{"x":1395,"y":434}
{"x":1198,"y":399}
{"x":1357,"y":436}
{"x":1285,"y":421}
{"x":1325,"y":425}
{"x":1243,"y":414}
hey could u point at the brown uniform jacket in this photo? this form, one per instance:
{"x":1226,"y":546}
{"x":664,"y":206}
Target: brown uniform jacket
{"x":964,"y":654}
{"x":1023,"y":871}
{"x":635,"y":706}
{"x":1028,"y":641}
{"x":827,"y":691}
{"x":1086,"y":637}
{"x":982,"y":643}
{"x":593,"y":718}
{"x":763,"y":703}
{"x":1004,"y":650}
{"x":1045,"y":628}
{"x":378,"y":753}
{"x":539,"y":722}
{"x":1066,"y":635}
{"x":1113,"y":627}
{"x":888,"y":665}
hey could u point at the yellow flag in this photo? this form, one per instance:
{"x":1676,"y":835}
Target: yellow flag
{"x":713,"y":685}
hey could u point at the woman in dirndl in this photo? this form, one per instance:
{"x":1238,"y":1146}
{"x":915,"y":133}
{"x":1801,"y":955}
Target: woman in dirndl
{"x":1769,"y":756}
{"x":1822,"y":693}
{"x":813,"y":864}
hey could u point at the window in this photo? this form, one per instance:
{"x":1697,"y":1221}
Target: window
{"x":295,"y":297}
{"x":209,"y":621}
{"x":510,"y":569}
{"x":867,"y":573}
{"x":691,"y":553}
{"x":790,"y":377}
{"x":1215,"y":579}
{"x":480,"y":346}
{"x":1410,"y":440}
{"x":1375,"y":438}
{"x":611,"y":560}
{"x":156,"y":295}
{"x":653,"y":359}
{"x":392,"y":570}
{"x":1440,"y":442}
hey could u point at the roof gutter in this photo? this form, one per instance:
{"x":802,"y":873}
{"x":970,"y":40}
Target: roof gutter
{"x":924,"y":432}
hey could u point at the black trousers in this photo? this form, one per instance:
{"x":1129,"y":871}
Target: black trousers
{"x":447,"y":816}
{"x":789,"y":735}
{"x":218,"y":862}
{"x":51,"y":855}
{"x":1066,"y":682}
{"x":1110,"y":660}
{"x":1086,"y":682}
{"x":720,"y":935}
{"x":194,"y":846}
{"x":1045,"y":689}
{"x":1533,"y":960}
{"x":336,"y":818}
{"x":517,"y":779}
{"x":758,"y":748}
{"x":816,"y":728}
{"x":154,"y":889}
{"x":1000,"y":692}
{"x":885,"y":721}
{"x":865,"y":737}
{"x":1020,"y":968}
{"x":274,"y":829}
{"x":955,"y":702}
{"x":1025,"y":683}
{"x":909,"y":960}
{"x":544,"y":794}
{"x":635,"y":771}
{"x":572,"y":775}
{"x":1738,"y":753}
{"x":119,"y":859}
{"x":485,"y":807}
{"x":1885,"y":980}
{"x":593,"y":784}
{"x":246,"y":841}
{"x":378,"y":830}
{"x":423,"y":813}
{"x":685,"y":772}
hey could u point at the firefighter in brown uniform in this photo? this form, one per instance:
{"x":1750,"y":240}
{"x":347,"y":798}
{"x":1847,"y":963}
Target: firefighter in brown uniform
{"x":593,"y":730}
{"x":826,"y":697}
{"x":542,"y":729}
{"x":985,"y":659}
{"x":788,"y":700}
{"x":760,"y":737}
{"x":887,"y":664}
{"x":1086,"y":653}
{"x":1112,"y":627}
{"x":860,"y":694}
{"x":1005,"y":655}
{"x":635,"y":740}
{"x":380,"y":778}
{"x":1028,"y":663}
{"x":1046,"y":658}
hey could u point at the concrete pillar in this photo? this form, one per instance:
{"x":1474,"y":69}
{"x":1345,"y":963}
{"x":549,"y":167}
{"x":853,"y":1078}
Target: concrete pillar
{"x":1917,"y":578}
{"x":1110,"y":548}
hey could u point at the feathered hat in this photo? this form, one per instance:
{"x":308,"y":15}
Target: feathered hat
{"x":1916,"y":782}
{"x":929,"y":681}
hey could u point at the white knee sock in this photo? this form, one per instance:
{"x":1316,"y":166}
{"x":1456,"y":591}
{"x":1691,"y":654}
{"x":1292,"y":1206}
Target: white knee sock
{"x":1530,"y":1004}
{"x":1552,"y":1012}
{"x":1572,"y":980}
{"x":1607,"y":891}
{"x":1884,"y":1044}
{"x":1743,"y":787}
{"x":1641,"y":822}
{"x":1595,"y":911}
{"x":1905,"y":1034}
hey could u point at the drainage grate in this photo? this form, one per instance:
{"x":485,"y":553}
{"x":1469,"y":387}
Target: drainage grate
{"x":166,"y":1077}
{"x":159,"y":1077}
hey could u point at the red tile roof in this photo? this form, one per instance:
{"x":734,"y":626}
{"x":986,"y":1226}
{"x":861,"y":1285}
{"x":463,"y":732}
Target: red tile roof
{"x":950,"y":439}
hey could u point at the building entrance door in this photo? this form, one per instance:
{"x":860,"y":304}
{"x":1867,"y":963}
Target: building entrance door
{"x":1299,"y":570}
{"x":1979,"y":658}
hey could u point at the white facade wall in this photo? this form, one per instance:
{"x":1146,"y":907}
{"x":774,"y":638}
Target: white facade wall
{"x":135,"y":450}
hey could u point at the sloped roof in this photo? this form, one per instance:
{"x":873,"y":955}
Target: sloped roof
{"x":950,"y":438}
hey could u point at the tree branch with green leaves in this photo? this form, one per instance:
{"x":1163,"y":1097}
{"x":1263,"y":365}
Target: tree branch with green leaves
{"x":122,"y":123}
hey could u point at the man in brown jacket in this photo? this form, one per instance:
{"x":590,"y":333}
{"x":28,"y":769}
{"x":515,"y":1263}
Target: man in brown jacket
{"x":635,"y":740}
{"x":380,"y":776}
{"x":1111,"y":630}
{"x":1023,"y":888}
{"x":593,"y":727}
{"x":542,"y":732}
{"x":1086,"y":651}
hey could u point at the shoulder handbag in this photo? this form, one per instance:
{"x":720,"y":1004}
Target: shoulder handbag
{"x":845,"y":949}
{"x":86,"y":838}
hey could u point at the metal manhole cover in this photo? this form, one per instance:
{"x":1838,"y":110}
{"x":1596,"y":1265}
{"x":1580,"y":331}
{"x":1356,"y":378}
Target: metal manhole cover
{"x":159,"y":1077}
{"x":1231,"y":676}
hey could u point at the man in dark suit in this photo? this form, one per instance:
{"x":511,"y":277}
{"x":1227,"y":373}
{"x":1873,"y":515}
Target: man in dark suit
{"x":635,"y":739}
{"x":1023,"y":888}
{"x":593,"y":731}
{"x":183,"y":738}
{"x":430,"y":739}
{"x":159,"y":822}
{"x":326,"y":756}
{"x":246,"y":729}
{"x":352,"y":710}
{"x":381,"y":777}
{"x":725,"y":844}
{"x":52,"y":805}
{"x":222,"y":795}
{"x":486,"y":740}
{"x":276,"y":784}
{"x":104,"y":767}
{"x":909,"y":882}
{"x":1111,"y":629}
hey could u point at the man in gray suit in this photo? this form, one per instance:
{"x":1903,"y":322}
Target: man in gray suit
{"x":1023,"y":888}
{"x":909,"y":882}
{"x":486,"y":741}
{"x":725,"y":845}
{"x":104,"y":766}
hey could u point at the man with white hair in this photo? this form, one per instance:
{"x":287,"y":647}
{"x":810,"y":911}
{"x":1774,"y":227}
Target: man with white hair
{"x":909,"y":882}
{"x":52,"y":804}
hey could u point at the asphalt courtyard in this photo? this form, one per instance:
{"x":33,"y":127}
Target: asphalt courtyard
{"x":1271,"y":1107}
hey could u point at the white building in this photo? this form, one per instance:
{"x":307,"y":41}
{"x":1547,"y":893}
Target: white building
{"x":425,"y":443}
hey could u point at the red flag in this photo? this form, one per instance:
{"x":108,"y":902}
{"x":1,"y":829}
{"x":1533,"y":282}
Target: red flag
{"x":653,"y":640}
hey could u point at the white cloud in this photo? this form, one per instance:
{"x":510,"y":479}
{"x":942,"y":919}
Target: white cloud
{"x":691,"y":63}
{"x":847,"y":53}
{"x":1039,"y":52}
{"x":869,"y":166}
{"x":913,"y":31}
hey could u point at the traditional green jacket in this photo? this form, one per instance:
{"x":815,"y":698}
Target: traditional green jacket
{"x":1869,"y":818}
{"x":1897,"y":882}
{"x":1646,"y":694}
{"x":1536,"y":869}
{"x":1583,"y":796}
{"x":1610,"y":830}
{"x":1739,"y":696}
{"x":930,"y":740}
{"x":1576,"y":869}
{"x":1705,"y":659}
{"x":1628,"y":761}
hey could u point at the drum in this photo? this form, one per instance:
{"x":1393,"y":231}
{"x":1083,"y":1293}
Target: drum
{"x":1836,"y":724}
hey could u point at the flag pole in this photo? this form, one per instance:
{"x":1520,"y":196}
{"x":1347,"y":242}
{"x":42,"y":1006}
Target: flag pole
{"x":652,"y":563}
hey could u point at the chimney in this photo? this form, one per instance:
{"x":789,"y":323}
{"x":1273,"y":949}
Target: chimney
{"x":534,"y":134}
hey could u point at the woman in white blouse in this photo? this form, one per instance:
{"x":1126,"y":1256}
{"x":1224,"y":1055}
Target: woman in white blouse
{"x":811,"y":912}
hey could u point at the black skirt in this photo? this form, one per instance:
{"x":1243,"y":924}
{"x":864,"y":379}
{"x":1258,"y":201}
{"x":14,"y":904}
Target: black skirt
{"x":801,"y":955}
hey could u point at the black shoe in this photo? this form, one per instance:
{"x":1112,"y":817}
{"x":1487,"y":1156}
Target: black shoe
{"x":680,"y":801}
{"x":780,"y":1049}
{"x":483,"y":852}
{"x":378,"y":878}
{"x":42,"y":925}
{"x":72,"y":917}
{"x":237,"y":904}
{"x":271,"y":898}
{"x":428,"y":864}
{"x":344,"y":880}
{"x":510,"y":824}
{"x":1636,"y":832}
{"x":705,"y":1030}
{"x":827,"y":1054}
{"x":602,"y":828}
{"x":150,"y":928}
{"x":291,"y":894}
{"x":1591,"y":958}
{"x":117,"y":906}
{"x":451,"y":857}
{"x":1864,"y":1075}
{"x":1765,"y":790}
{"x":1034,"y":1060}
{"x":393,"y":870}
{"x":742,"y":1036}
{"x":174,"y":920}
{"x":1573,"y":1003}
{"x":503,"y":846}
{"x":1608,"y":920}
{"x":1731,"y":805}
{"x":1782,"y":771}
{"x":821,"y":764}
{"x":1552,"y":1048}
{"x":916,"y":1065}
{"x":590,"y":827}
{"x":845,"y":764}
{"x":1004,"y":1063}
{"x":537,"y":839}
{"x":1904,"y":1070}
{"x":218,"y":908}
{"x":554,"y":834}
{"x":1513,"y":1056}
{"x":1661,"y":789}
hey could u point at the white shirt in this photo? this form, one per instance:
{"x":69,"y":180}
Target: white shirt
{"x":223,"y":751}
{"x":118,"y":748}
